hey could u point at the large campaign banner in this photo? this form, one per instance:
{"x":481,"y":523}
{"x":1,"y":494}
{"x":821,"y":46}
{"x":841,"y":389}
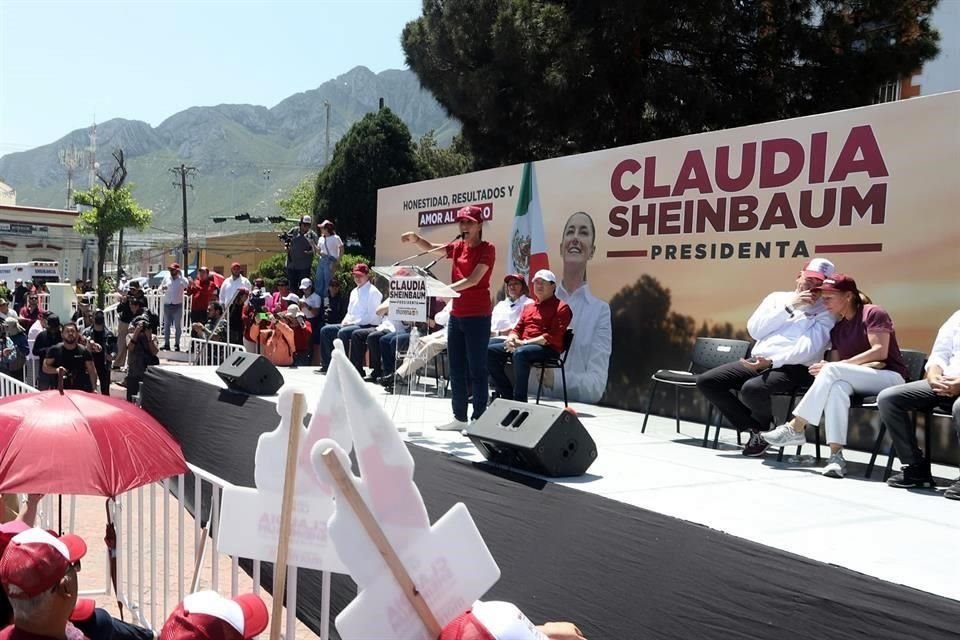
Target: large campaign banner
{"x":661,"y":242}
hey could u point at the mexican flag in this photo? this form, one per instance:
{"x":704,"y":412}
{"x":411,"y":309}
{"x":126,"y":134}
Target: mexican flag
{"x":528,"y":247}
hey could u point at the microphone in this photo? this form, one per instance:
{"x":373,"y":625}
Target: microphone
{"x":459,"y":236}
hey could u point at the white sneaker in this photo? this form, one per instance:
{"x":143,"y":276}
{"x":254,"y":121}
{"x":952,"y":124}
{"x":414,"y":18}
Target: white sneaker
{"x":453,"y":425}
{"x":836,"y":466}
{"x":784,"y":436}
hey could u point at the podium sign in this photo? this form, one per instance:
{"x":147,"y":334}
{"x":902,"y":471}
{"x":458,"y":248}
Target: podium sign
{"x":408,"y":298}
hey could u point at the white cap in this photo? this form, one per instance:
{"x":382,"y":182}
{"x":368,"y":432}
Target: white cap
{"x":306,"y":282}
{"x":292,"y":297}
{"x":306,"y":220}
{"x":294,"y":310}
{"x":819,"y":268}
{"x":546,"y":275}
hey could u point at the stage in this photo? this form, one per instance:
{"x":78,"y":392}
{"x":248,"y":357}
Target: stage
{"x":661,"y":539}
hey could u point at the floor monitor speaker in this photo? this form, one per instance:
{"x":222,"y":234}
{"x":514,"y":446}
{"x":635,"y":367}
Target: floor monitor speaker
{"x":250,"y":373}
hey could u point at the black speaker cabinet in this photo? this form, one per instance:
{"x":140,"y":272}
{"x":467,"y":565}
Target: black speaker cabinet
{"x":546,"y":440}
{"x":250,"y":373}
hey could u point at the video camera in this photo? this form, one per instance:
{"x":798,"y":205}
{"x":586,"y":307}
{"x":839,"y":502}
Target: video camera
{"x":286,"y":237}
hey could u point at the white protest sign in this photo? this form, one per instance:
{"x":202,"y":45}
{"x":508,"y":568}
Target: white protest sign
{"x":449,"y":563}
{"x":408,"y":298}
{"x":250,"y":517}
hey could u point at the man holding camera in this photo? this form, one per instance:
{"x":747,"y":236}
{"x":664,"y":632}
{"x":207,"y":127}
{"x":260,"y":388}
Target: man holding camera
{"x":301,"y":244}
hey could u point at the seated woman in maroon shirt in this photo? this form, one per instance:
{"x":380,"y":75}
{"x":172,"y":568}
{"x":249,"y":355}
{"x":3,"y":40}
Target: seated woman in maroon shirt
{"x":865,"y":359}
{"x":468,"y":331}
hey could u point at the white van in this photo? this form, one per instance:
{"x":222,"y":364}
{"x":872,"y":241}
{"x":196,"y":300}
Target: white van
{"x":35,"y":272}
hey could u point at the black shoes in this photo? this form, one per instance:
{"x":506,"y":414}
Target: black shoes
{"x":373,"y":377}
{"x":953,"y":491}
{"x":913,"y":476}
{"x":756,"y":447}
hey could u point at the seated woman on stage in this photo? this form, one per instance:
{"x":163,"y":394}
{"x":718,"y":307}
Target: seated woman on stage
{"x":865,"y":360}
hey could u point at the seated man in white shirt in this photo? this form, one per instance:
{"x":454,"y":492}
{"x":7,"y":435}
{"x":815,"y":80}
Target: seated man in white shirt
{"x":361,"y":312}
{"x":792,"y":330}
{"x":939,"y":390}
{"x":506,"y":313}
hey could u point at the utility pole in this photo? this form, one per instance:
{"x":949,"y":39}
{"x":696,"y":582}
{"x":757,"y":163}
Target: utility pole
{"x":182,"y":173}
{"x":326,"y":104}
{"x":71,"y":159}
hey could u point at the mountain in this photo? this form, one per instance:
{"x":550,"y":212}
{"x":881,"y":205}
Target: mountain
{"x":247,"y":155}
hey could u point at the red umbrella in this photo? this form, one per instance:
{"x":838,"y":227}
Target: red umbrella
{"x":80,"y":443}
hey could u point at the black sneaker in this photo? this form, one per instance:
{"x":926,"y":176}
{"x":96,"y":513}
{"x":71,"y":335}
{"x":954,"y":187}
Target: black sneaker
{"x":756,"y":447}
{"x":953,"y":491}
{"x":373,"y":377}
{"x":912,"y":476}
{"x":165,"y":347}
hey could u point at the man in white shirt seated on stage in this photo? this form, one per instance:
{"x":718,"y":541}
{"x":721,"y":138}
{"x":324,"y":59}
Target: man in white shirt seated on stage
{"x":939,"y":390}
{"x":230,"y":286}
{"x":506,"y":313}
{"x":792,"y":330}
{"x":361,"y":312}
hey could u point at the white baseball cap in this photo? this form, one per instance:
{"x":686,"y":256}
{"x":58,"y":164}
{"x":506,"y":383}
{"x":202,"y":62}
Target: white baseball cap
{"x":818,"y":269}
{"x":491,"y":621}
{"x":546,"y":275}
{"x":306,"y":220}
{"x":207,"y":614}
{"x":292,"y":297}
{"x":306,"y":282}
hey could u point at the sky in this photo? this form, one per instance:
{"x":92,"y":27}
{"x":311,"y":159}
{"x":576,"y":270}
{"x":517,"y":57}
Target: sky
{"x":64,"y":63}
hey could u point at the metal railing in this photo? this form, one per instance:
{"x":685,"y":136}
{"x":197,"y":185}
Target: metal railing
{"x":11,"y":386}
{"x":209,"y":353}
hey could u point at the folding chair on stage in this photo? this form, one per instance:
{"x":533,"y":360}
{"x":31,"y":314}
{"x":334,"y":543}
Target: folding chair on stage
{"x":556,"y":363}
{"x":707,"y":354}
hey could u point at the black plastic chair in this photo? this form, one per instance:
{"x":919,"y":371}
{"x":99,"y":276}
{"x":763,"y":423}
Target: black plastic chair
{"x":915,"y":361}
{"x":556,"y":362}
{"x":707,"y":354}
{"x":816,"y":431}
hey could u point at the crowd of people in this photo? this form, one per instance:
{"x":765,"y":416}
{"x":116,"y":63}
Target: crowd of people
{"x":826,"y":341}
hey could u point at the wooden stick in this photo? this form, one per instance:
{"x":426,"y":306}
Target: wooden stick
{"x":198,"y":565}
{"x":286,"y":514}
{"x":372,"y":527}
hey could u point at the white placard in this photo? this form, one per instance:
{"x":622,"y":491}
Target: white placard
{"x":408,"y":298}
{"x":449,"y":563}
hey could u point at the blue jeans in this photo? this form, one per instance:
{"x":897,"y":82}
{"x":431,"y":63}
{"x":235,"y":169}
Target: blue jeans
{"x":522,"y":358}
{"x":331,"y":332}
{"x":389,"y":344}
{"x":467,"y":340}
{"x":172,"y":316}
{"x":323,"y":276}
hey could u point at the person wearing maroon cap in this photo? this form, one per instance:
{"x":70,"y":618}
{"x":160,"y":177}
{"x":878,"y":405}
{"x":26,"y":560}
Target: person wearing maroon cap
{"x":495,"y":620}
{"x":38,"y":572}
{"x":792,"y":331}
{"x":206,"y":615}
{"x":865,"y":360}
{"x":361,"y":313}
{"x":230,"y":286}
{"x":506,"y":313}
{"x":538,"y":336}
{"x":468,"y":332}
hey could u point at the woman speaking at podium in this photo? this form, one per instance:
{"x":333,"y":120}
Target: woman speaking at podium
{"x":468,"y":331}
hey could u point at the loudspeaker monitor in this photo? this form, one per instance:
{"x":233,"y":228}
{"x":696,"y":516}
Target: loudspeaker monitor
{"x":250,"y":373}
{"x":546,"y":440}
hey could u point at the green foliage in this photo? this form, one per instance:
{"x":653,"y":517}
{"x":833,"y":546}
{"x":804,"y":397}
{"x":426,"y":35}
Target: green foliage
{"x":110,"y":211}
{"x":532,"y":79}
{"x":299,"y":202}
{"x":271,"y":269}
{"x":344,"y":273}
{"x":376,"y":152}
{"x":440,"y":162}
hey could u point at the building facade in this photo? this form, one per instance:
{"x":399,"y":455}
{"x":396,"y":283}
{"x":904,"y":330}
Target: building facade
{"x":36,"y":233}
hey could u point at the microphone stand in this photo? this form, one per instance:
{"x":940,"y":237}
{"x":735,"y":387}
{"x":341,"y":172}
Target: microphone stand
{"x":423,"y":253}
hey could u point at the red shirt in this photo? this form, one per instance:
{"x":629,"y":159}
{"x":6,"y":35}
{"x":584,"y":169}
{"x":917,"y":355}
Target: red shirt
{"x":549,"y":318}
{"x":849,"y":337}
{"x":201,"y":293}
{"x":303,"y":338}
{"x":474,"y":301}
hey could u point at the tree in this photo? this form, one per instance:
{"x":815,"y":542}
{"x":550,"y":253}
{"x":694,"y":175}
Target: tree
{"x":376,"y":152}
{"x":531,"y":79}
{"x":299,"y":202}
{"x":111,"y":211}
{"x":441,"y":162}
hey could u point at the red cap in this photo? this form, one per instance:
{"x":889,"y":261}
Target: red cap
{"x":839,"y":282}
{"x":471,"y":214}
{"x":513,"y":276}
{"x":36,"y":560}
{"x":361,"y":269}
{"x":235,"y":265}
{"x":206,"y":615}
{"x":174,"y":265}
{"x":491,"y":621}
{"x":818,"y":269}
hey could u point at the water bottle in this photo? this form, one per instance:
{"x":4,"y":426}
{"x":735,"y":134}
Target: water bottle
{"x":414,"y":338}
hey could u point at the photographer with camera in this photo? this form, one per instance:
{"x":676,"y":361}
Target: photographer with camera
{"x":14,"y":362}
{"x":301,"y":244}
{"x":124,"y":318}
{"x":142,"y":349}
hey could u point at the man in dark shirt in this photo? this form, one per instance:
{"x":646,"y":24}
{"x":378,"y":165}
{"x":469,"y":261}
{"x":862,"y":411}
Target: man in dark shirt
{"x":300,"y":249}
{"x":100,"y":335}
{"x":19,"y":295}
{"x":71,"y":361}
{"x":336,"y":305}
{"x":50,"y":336}
{"x":124,"y":316}
{"x":537,"y":336}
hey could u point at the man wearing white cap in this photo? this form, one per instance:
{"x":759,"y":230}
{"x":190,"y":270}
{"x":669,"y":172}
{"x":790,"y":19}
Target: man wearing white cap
{"x":206,"y":615}
{"x":300,"y":242}
{"x":792,"y":330}
{"x":504,"y":621}
{"x":537,"y":336}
